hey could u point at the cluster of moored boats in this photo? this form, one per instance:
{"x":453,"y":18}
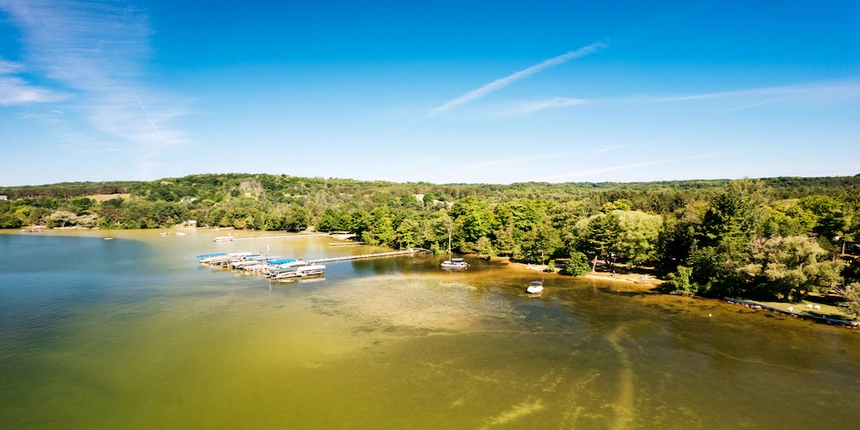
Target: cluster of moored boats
{"x":278,"y":269}
{"x":274,"y":268}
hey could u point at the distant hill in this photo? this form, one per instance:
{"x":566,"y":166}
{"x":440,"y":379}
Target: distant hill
{"x":198,"y":186}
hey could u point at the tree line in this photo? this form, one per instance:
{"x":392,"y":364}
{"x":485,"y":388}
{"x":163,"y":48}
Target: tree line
{"x":773,"y":237}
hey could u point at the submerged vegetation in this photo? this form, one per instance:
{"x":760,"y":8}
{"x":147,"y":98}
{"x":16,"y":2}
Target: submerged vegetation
{"x":771,"y":238}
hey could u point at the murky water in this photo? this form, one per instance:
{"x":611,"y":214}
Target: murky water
{"x":134,"y":333}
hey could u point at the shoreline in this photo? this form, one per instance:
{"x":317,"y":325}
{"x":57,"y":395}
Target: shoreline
{"x":647,"y":283}
{"x":623,"y":278}
{"x":817,"y":318}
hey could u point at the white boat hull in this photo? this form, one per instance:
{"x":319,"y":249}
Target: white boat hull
{"x":534,"y":287}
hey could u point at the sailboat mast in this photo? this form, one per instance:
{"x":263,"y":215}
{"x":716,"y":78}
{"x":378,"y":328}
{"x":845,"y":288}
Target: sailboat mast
{"x":449,"y":241}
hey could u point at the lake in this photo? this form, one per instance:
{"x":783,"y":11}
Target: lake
{"x":135,"y":333}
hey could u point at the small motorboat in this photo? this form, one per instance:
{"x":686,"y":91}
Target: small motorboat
{"x":534,"y":287}
{"x":454,"y":264}
{"x":293,"y":273}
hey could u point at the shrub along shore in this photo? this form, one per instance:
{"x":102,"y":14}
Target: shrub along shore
{"x":768,"y":239}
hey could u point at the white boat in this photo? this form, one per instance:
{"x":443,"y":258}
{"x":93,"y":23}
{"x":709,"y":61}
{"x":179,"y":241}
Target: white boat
{"x":289,"y":266}
{"x":534,"y":287}
{"x":221,"y":259}
{"x":224,"y":239}
{"x":206,"y":258}
{"x":311,"y":269}
{"x":244,"y":264}
{"x":454,"y":263}
{"x":180,"y":233}
{"x":165,"y":233}
{"x":283,"y":274}
{"x":295,"y":272}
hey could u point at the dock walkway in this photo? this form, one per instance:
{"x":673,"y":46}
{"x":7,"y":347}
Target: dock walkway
{"x":410,"y":251}
{"x":282,"y":236}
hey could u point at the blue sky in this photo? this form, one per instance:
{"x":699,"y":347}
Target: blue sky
{"x":490,"y":92}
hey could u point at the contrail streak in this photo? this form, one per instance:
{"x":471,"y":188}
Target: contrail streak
{"x":150,"y":120}
{"x":747,"y":106}
{"x":522,"y":74}
{"x":643,"y":164}
{"x":514,"y":160}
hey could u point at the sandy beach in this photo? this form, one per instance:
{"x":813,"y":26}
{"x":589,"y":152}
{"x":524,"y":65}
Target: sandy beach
{"x":625,"y":278}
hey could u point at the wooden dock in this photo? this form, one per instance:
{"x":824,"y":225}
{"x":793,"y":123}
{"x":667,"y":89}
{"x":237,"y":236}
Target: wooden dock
{"x":410,"y":251}
{"x":281,"y":236}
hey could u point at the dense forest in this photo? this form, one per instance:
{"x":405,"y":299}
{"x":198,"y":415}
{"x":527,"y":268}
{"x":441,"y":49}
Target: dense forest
{"x":773,"y":237}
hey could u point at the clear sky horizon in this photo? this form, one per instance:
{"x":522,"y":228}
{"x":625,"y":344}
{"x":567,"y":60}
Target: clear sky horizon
{"x":445,"y":92}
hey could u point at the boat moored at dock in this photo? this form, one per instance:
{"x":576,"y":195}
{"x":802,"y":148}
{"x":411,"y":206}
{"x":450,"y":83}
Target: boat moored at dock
{"x":293,"y":273}
{"x":289,"y":270}
{"x":228,"y":259}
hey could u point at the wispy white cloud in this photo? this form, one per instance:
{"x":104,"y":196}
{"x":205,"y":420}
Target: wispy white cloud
{"x":14,"y":90}
{"x":513,"y":160}
{"x":608,"y":148}
{"x":591,"y":172}
{"x":8,"y":67}
{"x":555,"y":102}
{"x":813,"y":92}
{"x":608,"y":169}
{"x":91,"y":46}
{"x":99,"y":50}
{"x":747,"y":106}
{"x":522,"y":74}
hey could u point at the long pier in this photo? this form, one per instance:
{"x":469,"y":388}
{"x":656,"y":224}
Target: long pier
{"x":282,"y":236}
{"x":410,"y":251}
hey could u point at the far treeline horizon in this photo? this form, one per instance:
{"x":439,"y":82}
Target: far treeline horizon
{"x":770,"y":238}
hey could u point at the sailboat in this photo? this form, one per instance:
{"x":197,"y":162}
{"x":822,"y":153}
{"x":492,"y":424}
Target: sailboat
{"x":453,"y":263}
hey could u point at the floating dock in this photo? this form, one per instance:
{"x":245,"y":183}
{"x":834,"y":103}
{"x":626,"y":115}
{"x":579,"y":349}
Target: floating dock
{"x":288,"y":270}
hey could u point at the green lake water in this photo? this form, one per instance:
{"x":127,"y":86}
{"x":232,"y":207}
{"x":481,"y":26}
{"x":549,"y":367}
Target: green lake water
{"x":135,"y":333}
